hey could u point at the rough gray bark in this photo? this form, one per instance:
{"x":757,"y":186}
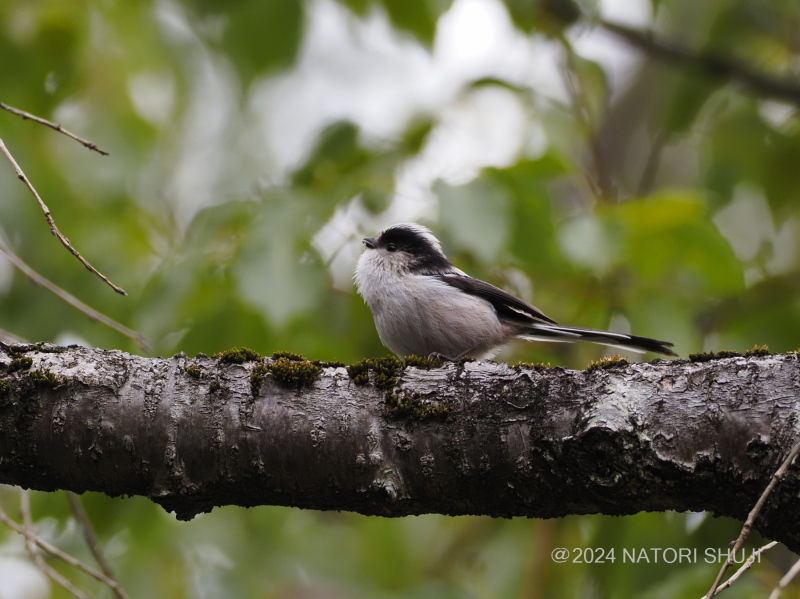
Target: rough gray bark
{"x":471,"y":438}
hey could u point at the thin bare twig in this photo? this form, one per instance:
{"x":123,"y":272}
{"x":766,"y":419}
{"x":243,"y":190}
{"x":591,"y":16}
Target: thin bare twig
{"x":91,"y":540}
{"x":52,"y":125}
{"x":53,"y":229}
{"x":784,"y":582}
{"x":55,"y":551}
{"x":25,"y":509}
{"x":751,"y":518}
{"x":756,"y":555}
{"x":72,"y":300}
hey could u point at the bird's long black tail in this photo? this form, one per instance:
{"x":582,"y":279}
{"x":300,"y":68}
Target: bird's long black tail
{"x":568,"y":334}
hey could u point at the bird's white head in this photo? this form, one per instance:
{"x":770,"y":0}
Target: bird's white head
{"x":402,"y":248}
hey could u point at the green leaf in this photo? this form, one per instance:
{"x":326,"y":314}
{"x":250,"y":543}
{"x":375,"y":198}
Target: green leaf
{"x":671,"y":237}
{"x":336,"y":154}
{"x":258,"y":35}
{"x":532,"y":227}
{"x":340,"y":168}
{"x":414,"y":16}
{"x":360,"y":7}
{"x":691,"y":92}
{"x":551,"y":17}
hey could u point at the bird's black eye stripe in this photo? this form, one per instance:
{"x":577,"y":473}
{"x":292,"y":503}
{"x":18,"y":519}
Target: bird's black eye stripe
{"x":422,"y":249}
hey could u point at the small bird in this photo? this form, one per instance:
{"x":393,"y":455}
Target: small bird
{"x":423,"y":305}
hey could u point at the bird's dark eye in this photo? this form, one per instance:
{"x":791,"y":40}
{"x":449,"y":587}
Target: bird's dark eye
{"x":392,"y":247}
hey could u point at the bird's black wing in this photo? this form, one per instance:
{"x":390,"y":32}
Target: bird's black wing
{"x":542,"y":327}
{"x":508,"y":307}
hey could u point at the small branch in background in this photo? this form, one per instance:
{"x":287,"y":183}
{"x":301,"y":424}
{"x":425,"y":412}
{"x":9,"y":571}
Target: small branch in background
{"x":73,"y":301}
{"x":751,"y":518}
{"x":55,"y":551}
{"x":91,"y":540}
{"x":648,"y":179}
{"x":33,"y":550}
{"x":53,"y":229}
{"x":10,"y":338}
{"x":719,"y":67}
{"x":756,"y":555}
{"x":599,"y":179}
{"x":55,"y":126}
{"x":784,"y":582}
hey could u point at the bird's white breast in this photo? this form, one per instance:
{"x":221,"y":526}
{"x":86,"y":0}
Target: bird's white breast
{"x":420,"y":314}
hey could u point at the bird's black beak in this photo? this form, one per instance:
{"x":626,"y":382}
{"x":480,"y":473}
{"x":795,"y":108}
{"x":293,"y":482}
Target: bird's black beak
{"x":369,"y":242}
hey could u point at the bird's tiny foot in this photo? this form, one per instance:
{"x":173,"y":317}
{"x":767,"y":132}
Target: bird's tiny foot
{"x":440,"y":356}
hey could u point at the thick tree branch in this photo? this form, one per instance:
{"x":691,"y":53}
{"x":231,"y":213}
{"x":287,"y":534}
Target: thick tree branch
{"x":472,"y":438}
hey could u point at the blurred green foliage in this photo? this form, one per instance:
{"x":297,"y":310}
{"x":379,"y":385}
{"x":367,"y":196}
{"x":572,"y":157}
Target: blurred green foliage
{"x":253,"y":143}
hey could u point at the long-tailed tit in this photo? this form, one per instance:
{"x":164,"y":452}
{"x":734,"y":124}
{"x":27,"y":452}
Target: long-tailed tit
{"x":424,"y":305}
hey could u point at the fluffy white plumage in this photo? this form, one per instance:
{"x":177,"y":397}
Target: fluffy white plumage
{"x":424,"y":305}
